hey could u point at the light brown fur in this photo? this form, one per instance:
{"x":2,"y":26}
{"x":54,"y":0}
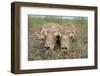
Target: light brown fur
{"x":68,"y":33}
{"x":49,"y":32}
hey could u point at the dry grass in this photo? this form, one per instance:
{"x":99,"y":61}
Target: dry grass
{"x":78,"y":49}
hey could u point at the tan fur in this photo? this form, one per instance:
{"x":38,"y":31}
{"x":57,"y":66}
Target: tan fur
{"x":49,"y":32}
{"x":69,"y":32}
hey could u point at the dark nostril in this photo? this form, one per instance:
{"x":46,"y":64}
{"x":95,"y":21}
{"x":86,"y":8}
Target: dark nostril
{"x":62,"y":48}
{"x":57,"y":36}
{"x":66,"y":48}
{"x":46,"y":47}
{"x":71,"y":37}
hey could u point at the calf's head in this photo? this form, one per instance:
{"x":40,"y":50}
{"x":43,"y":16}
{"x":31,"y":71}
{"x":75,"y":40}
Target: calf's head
{"x":68,"y":35}
{"x":50,"y":33}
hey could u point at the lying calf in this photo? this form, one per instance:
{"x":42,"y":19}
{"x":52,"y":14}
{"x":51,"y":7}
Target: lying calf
{"x":50,"y":33}
{"x":68,"y":34}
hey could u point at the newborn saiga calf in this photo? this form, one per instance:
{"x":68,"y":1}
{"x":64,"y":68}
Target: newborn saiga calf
{"x":68,"y":35}
{"x":50,"y":33}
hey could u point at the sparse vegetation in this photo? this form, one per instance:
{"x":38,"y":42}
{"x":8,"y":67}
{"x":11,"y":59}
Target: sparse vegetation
{"x":79,"y":49}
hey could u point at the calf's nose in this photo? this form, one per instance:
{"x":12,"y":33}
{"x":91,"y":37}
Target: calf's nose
{"x":46,"y":47}
{"x":64,"y":48}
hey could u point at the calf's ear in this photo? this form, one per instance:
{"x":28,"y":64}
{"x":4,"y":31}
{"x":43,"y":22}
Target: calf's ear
{"x":73,"y":36}
{"x":43,"y":34}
